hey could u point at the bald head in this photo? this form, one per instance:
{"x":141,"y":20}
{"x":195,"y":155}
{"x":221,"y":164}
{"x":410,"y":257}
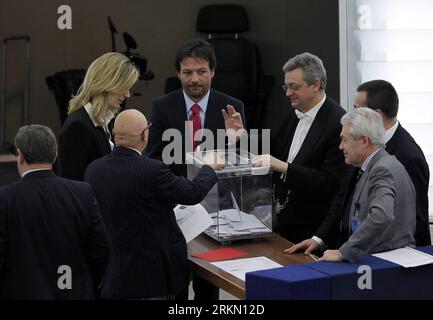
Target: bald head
{"x":129,"y":129}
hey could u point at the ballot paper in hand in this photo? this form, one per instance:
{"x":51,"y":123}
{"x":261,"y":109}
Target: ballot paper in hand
{"x":192,"y":220}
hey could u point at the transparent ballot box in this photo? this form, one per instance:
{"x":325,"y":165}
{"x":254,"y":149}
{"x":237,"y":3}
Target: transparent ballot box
{"x":240,"y":203}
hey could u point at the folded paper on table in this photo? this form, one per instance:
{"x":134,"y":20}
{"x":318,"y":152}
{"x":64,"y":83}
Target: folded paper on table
{"x":220,"y":254}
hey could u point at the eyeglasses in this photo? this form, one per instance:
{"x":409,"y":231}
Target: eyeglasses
{"x":149,"y":124}
{"x":292,"y":87}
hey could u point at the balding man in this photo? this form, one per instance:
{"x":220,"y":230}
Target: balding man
{"x":136,"y":196}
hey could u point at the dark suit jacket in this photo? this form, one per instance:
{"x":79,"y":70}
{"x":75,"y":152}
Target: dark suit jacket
{"x":331,"y":231}
{"x":314,"y":175}
{"x":169,"y":112}
{"x":80,"y":142}
{"x":47,"y":222}
{"x":407,"y":151}
{"x":136,"y":195}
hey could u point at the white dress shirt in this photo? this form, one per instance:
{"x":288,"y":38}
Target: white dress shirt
{"x":390,"y":132}
{"x":305,"y":121}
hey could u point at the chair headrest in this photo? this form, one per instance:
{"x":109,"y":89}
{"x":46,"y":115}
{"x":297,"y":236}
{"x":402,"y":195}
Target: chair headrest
{"x":222,"y":19}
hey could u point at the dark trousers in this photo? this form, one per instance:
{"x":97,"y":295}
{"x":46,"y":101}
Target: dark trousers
{"x":204,"y":290}
{"x":181,"y":296}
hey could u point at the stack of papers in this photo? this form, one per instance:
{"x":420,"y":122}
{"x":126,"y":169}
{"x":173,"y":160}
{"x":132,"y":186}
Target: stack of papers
{"x":232,"y":223}
{"x":226,"y":225}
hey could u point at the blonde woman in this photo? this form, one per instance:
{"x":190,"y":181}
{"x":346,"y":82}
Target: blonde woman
{"x":85,"y":135}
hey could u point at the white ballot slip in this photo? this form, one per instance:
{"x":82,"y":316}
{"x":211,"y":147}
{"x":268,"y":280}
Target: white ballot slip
{"x":192,"y":220}
{"x":239,"y":267}
{"x":406,"y":257}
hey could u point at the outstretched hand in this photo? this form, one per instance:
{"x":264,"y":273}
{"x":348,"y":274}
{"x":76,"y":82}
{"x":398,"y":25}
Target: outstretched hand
{"x":233,"y":123}
{"x":268,"y":160}
{"x":213,"y":160}
{"x":308,"y":245}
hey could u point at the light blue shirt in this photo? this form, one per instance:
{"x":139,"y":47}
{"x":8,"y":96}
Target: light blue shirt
{"x":202,"y":103}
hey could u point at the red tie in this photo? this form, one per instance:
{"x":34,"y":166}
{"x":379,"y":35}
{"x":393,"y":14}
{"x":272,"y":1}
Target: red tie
{"x":196,"y":123}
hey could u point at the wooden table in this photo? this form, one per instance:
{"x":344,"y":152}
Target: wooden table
{"x":270,"y":246}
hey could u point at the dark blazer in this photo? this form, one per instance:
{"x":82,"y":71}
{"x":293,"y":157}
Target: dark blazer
{"x":314,"y":176}
{"x":47,"y":222}
{"x":137,"y":195}
{"x":80,"y":142}
{"x":331,"y":231}
{"x":407,"y":151}
{"x":169,"y":112}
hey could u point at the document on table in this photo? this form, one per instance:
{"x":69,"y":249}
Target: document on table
{"x":239,"y":267}
{"x":192,"y":220}
{"x":406,"y":257}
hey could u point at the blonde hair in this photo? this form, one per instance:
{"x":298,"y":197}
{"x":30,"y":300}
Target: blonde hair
{"x":111,"y":73}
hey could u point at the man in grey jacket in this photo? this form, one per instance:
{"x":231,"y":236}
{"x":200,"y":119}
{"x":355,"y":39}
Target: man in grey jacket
{"x":379,"y":208}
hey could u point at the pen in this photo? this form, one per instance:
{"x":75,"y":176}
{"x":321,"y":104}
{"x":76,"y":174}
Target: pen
{"x":314,"y":257}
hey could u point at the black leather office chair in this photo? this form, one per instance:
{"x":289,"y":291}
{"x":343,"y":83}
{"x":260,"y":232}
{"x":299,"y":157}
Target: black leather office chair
{"x":64,"y":84}
{"x":239,"y":70}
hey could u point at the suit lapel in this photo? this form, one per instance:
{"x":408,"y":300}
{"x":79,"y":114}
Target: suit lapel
{"x":103,"y":139}
{"x":284,"y":136}
{"x":101,"y":136}
{"x":349,"y":203}
{"x":317,"y":129}
{"x":365,"y":176}
{"x":392,"y":144}
{"x":212,"y":113}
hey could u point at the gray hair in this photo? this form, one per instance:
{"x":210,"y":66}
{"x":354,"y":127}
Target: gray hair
{"x":311,"y":65}
{"x":365,"y":122}
{"x":37,"y":143}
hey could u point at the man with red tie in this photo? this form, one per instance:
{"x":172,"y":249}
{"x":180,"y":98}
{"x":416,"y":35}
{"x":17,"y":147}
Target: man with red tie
{"x":196,"y":102}
{"x":204,"y":108}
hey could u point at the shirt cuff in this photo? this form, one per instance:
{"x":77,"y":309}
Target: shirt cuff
{"x":319,"y":241}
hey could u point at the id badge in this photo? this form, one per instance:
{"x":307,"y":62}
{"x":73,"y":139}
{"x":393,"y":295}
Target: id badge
{"x":355,"y":223}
